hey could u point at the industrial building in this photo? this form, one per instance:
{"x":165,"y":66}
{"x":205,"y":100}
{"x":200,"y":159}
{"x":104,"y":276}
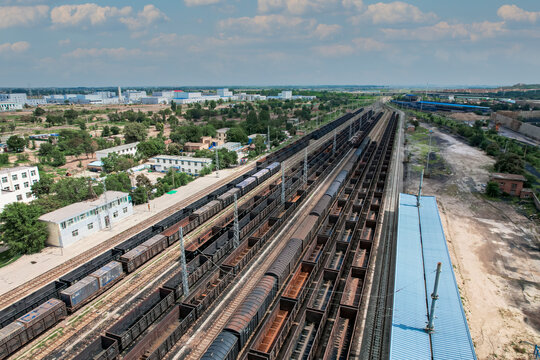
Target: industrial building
{"x":189,"y":165}
{"x":126,"y":149}
{"x":421,"y":245}
{"x":76,"y":221}
{"x":438,"y":106}
{"x":17,"y":184}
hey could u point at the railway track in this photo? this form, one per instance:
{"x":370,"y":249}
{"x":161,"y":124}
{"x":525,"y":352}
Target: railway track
{"x":28,"y":287}
{"x":193,"y":346}
{"x":373,"y":335}
{"x":96,"y":316}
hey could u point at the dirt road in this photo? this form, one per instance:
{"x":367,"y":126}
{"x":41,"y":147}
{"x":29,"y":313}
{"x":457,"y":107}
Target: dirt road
{"x":495,"y":250}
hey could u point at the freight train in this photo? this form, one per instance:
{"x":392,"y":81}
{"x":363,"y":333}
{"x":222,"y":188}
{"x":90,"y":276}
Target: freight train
{"x":75,"y":289}
{"x":251,"y":311}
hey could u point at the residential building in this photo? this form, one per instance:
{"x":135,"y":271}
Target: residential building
{"x":18,"y":98}
{"x":222,"y":134}
{"x":509,"y":183}
{"x":194,"y":146}
{"x":126,"y":149}
{"x":224,"y":92}
{"x":189,"y":165}
{"x":76,"y":221}
{"x":10,"y":106}
{"x":16,"y":184}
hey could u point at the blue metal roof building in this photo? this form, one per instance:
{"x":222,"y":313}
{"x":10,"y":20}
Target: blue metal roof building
{"x":440,"y":106}
{"x":420,"y":246}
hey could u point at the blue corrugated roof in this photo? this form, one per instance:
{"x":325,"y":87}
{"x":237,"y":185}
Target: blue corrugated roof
{"x":420,"y":246}
{"x":453,"y":105}
{"x":409,"y":340}
{"x":451,"y":338}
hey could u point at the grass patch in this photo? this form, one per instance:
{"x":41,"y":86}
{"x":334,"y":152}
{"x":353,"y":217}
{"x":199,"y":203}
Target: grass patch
{"x":6,"y":258}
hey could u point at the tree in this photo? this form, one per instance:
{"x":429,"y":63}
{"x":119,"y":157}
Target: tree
{"x":115,"y":130}
{"x":135,"y":132}
{"x":16,"y":143}
{"x":139,"y":195}
{"x":493,"y":189}
{"x":174,"y":149}
{"x":71,"y":115}
{"x":21,"y":229}
{"x":237,"y":134}
{"x":43,"y":186}
{"x":39,"y":111}
{"x":106,"y":131}
{"x":4,"y":159}
{"x":186,"y":133}
{"x":70,"y":190}
{"x":173,"y":106}
{"x":114,"y":162}
{"x":58,"y":158}
{"x":260,"y":146}
{"x":118,"y":182}
{"x":151,"y":147}
{"x":510,"y":163}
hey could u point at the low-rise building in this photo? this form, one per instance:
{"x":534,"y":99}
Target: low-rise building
{"x":222,"y":134}
{"x":126,"y":149}
{"x":76,"y":221}
{"x":10,"y":106}
{"x":16,"y":184}
{"x":189,"y":165}
{"x":194,"y":146}
{"x":509,"y":183}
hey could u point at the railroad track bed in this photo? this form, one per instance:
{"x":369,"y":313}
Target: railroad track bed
{"x":146,"y":275}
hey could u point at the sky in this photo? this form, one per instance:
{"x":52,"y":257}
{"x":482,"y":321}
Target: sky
{"x":268,"y":42}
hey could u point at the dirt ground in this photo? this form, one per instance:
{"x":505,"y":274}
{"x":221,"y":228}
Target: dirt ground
{"x":495,"y":250}
{"x":467,"y":116}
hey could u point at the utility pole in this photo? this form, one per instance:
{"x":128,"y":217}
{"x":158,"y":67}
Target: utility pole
{"x":236,"y":235}
{"x":217,"y":162}
{"x":183,"y":262}
{"x":434,"y":298}
{"x":350,"y":131}
{"x":282,"y":184}
{"x":107,"y":205}
{"x":305,"y":167}
{"x":429,"y":152}
{"x":420,"y":189}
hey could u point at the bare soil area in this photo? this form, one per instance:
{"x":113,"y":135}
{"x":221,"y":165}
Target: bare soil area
{"x":495,"y":250}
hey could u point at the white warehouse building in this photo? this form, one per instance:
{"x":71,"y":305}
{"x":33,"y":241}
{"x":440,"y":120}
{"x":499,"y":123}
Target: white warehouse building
{"x":17,"y":184}
{"x":126,"y":149}
{"x":76,"y":221}
{"x":189,"y":165}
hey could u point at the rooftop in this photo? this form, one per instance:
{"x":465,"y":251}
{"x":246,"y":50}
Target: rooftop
{"x":181,"y":158}
{"x":19,"y":168}
{"x":421,"y":244}
{"x":515,"y":177}
{"x":118,"y":148}
{"x":72,"y":210}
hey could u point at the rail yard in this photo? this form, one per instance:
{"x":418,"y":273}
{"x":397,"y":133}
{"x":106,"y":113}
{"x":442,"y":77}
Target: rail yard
{"x":279,"y":263}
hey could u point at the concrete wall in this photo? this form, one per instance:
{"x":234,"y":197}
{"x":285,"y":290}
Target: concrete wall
{"x":516,"y":125}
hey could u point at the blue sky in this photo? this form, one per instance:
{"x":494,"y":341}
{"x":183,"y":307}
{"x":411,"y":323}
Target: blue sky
{"x":268,"y":42}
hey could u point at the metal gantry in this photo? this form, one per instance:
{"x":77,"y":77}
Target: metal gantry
{"x":334,"y":147}
{"x":183,"y":262}
{"x":282,"y":184}
{"x":305,"y":167}
{"x":236,"y":228}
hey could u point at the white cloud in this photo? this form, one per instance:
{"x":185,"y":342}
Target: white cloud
{"x":296,"y":7}
{"x":147,"y":16}
{"x":163,"y":39}
{"x":117,"y":53}
{"x":324,"y":31}
{"x":265,"y":23}
{"x":16,"y":47}
{"x":73,"y":15}
{"x":334,"y":50}
{"x":64,"y":42}
{"x":358,"y":45}
{"x":514,"y":13}
{"x":200,"y":2}
{"x":393,"y":13}
{"x":444,"y":30}
{"x":353,"y":4}
{"x":21,"y":15}
{"x":368,"y":44}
